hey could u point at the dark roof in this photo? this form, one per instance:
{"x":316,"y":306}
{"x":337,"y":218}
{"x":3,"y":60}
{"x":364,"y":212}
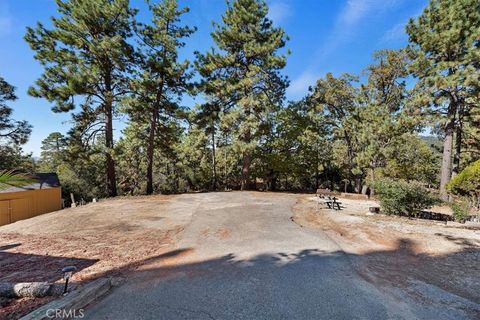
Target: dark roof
{"x":45,"y":181}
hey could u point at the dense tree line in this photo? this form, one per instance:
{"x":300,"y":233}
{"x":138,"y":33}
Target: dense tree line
{"x":346,"y":133}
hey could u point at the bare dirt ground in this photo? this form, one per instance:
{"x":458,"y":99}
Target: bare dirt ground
{"x":126,"y":235}
{"x":398,"y":251}
{"x":106,"y":238}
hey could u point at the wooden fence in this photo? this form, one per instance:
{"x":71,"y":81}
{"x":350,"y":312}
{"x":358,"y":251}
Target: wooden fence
{"x":26,"y":204}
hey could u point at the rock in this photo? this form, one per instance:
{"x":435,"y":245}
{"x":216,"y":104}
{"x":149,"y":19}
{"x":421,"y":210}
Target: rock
{"x":30,"y":289}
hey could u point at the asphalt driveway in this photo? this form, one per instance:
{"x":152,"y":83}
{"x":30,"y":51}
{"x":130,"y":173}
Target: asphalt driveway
{"x":241,"y":256}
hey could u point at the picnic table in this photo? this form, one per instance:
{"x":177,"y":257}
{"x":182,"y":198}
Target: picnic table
{"x":332,"y":203}
{"x":323,"y":193}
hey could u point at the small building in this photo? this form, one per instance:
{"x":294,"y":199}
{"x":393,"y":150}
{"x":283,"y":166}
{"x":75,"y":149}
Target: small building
{"x":43,"y":196}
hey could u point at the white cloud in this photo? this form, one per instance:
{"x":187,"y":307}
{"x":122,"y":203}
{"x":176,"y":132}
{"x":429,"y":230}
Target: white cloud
{"x":357,"y":10}
{"x":397,"y":32}
{"x":347,"y":23}
{"x":279,"y":11}
{"x":299,"y":86}
{"x":353,"y":12}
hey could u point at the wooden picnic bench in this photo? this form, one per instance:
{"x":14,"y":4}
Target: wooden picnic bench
{"x":332,"y":203}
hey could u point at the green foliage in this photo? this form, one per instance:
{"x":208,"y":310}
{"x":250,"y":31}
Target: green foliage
{"x":466,"y":182}
{"x":100,"y":62}
{"x":13,"y":156}
{"x":161,"y":78}
{"x":11,"y":178}
{"x":244,"y":74}
{"x":400,"y":197}
{"x":13,"y":134}
{"x":11,"y":131}
{"x":410,"y":158}
{"x":381,"y":118}
{"x":87,"y":57}
{"x":337,"y":99}
{"x":53,"y":148}
{"x":444,"y":48}
{"x":80,"y":183}
{"x":461,"y":210}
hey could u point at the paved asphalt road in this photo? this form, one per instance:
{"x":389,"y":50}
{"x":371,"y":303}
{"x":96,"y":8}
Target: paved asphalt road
{"x":241,"y":257}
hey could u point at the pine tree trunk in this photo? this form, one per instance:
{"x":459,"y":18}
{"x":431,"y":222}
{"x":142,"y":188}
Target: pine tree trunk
{"x":110,"y":164}
{"x":150,"y":149}
{"x":108,"y":111}
{"x":214,"y":161}
{"x":458,"y":142}
{"x":372,"y":190}
{"x":247,"y":158}
{"x":358,"y":184}
{"x":273,"y":182}
{"x":225,"y":162}
{"x":446,"y":170}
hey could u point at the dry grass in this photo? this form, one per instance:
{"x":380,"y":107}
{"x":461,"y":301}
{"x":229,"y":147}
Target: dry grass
{"x":394,"y":250}
{"x":102,"y":239}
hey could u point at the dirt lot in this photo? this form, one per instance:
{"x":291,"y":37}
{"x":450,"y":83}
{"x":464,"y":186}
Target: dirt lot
{"x":105,"y":238}
{"x":113,"y":237}
{"x":396,"y":251}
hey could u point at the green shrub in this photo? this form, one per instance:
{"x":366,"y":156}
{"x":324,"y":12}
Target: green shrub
{"x":467,"y":183}
{"x":460,"y":210}
{"x":400,"y":197}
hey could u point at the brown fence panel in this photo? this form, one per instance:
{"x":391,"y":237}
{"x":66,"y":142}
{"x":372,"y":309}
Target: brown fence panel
{"x":26,"y":204}
{"x":4,"y":212}
{"x":21,"y":209}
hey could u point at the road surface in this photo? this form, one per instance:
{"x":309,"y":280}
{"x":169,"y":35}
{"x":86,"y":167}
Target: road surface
{"x":241,"y":257}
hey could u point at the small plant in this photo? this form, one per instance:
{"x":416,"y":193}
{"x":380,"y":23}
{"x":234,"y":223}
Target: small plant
{"x":10,"y":178}
{"x":404,"y":198}
{"x":460,"y":210}
{"x":467,"y":183}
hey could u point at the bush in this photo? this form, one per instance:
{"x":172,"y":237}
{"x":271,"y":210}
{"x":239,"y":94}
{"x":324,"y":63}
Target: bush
{"x":467,"y":183}
{"x":400,"y":197}
{"x":460,"y":210}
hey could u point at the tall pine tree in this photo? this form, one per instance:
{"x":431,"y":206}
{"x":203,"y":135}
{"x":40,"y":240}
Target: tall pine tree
{"x":162,"y":78}
{"x":243,"y":72}
{"x":444,"y":45}
{"x":86,"y":56}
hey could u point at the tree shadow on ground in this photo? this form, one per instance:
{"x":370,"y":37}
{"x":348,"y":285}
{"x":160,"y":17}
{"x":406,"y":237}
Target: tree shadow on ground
{"x":309,"y":284}
{"x":22,"y":267}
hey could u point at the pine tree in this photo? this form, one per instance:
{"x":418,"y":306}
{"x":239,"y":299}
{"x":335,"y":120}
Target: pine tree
{"x":12,"y":131}
{"x":207,"y":118}
{"x":382,"y":116}
{"x":444,"y":45}
{"x":243,"y":72}
{"x":162,"y":78}
{"x":52,"y":148}
{"x":86,"y":56}
{"x":337,"y":98}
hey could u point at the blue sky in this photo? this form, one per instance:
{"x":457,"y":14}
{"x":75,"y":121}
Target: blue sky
{"x":325,"y":36}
